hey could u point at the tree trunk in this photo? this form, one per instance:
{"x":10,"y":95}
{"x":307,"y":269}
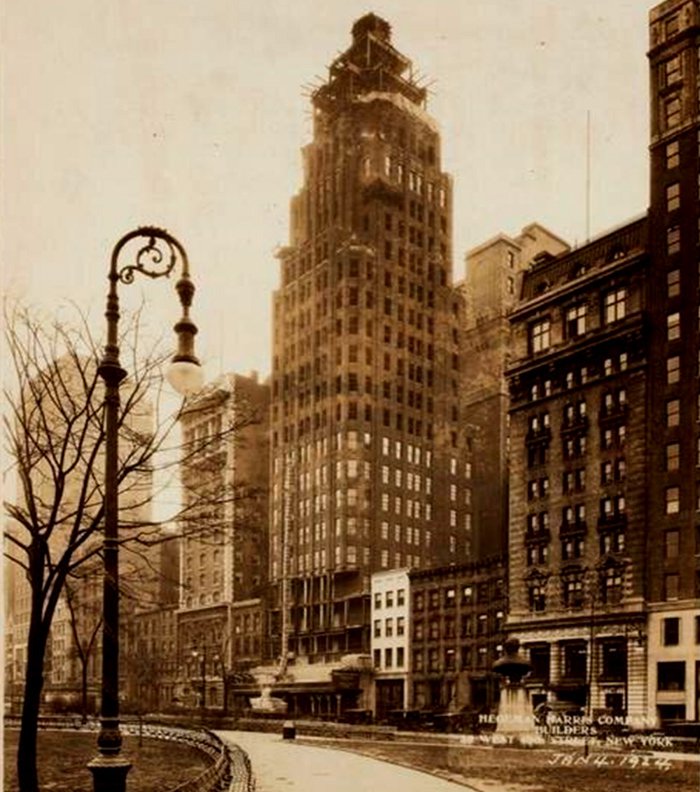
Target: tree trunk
{"x":27,"y":776}
{"x":84,"y":690}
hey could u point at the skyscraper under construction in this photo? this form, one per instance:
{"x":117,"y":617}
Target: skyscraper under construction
{"x":370,"y":462}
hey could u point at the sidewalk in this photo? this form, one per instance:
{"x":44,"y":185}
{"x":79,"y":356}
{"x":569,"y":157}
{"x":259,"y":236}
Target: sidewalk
{"x":287,"y":766}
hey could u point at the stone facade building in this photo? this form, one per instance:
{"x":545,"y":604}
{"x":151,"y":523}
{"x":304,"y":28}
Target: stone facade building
{"x":578,"y":471}
{"x":391,"y":631}
{"x":604,"y":543}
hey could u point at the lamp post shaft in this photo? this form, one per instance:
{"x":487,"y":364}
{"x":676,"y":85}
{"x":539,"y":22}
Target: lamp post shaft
{"x":155,"y":257}
{"x":109,"y":769}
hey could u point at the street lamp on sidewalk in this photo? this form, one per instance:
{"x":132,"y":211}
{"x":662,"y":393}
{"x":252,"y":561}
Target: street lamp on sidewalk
{"x":155,"y":254}
{"x":202,"y":657}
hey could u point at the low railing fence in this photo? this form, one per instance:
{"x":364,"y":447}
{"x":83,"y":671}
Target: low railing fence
{"x":229,"y":770}
{"x":241,"y":771}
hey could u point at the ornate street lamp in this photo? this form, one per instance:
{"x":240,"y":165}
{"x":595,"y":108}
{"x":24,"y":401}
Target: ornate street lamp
{"x":157,"y":253}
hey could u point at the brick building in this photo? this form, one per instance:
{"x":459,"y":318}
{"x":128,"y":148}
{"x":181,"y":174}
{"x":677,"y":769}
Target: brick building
{"x":223,"y":532}
{"x":149,"y":659}
{"x":457,"y":630}
{"x":673,"y":532}
{"x":365,"y":384}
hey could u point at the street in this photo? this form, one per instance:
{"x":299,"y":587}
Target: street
{"x":288,"y":765}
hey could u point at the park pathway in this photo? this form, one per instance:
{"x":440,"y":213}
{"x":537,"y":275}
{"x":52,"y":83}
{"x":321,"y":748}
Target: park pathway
{"x":289,"y":766}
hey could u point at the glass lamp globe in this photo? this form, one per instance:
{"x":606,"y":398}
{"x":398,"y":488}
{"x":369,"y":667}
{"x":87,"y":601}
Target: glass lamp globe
{"x":185,"y":377}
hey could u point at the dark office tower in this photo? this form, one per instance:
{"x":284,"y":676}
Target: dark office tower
{"x":674,"y":426}
{"x":366,"y":361}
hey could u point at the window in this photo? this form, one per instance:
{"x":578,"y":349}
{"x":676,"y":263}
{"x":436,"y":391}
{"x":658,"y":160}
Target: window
{"x":673,"y":239}
{"x":574,"y":661}
{"x":400,"y":653}
{"x":672,"y":456}
{"x":620,"y":469}
{"x":388,"y":658}
{"x":672,"y":412}
{"x":433,"y":664}
{"x":670,"y":676}
{"x":576,"y":321}
{"x":614,"y":657}
{"x":671,"y":631}
{"x":612,"y":585}
{"x":377,"y":628}
{"x":540,"y":336}
{"x":673,"y":283}
{"x":673,"y":326}
{"x":672,"y":70}
{"x":539,"y":659}
{"x":401,"y":597}
{"x":672,"y":155}
{"x":672,"y":500}
{"x":673,"y":369}
{"x":400,"y":625}
{"x":572,"y":548}
{"x":573,"y":591}
{"x":389,"y":628}
{"x":671,"y":586}
{"x":615,"y":304}
{"x":672,"y":111}
{"x":673,"y":196}
{"x":536,"y":596}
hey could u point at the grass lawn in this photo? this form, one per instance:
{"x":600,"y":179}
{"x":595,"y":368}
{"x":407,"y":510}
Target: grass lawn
{"x":63,"y":756}
{"x":535,"y":770}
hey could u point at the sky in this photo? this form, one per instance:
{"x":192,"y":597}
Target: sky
{"x":191,"y":115}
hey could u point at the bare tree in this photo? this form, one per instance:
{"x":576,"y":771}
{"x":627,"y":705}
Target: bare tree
{"x":85,"y":620}
{"x":55,"y":435}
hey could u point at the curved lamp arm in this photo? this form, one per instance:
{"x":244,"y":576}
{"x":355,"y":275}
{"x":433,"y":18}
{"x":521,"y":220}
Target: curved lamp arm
{"x":156,"y":256}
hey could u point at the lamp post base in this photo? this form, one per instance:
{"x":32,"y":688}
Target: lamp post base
{"x":109,"y":773}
